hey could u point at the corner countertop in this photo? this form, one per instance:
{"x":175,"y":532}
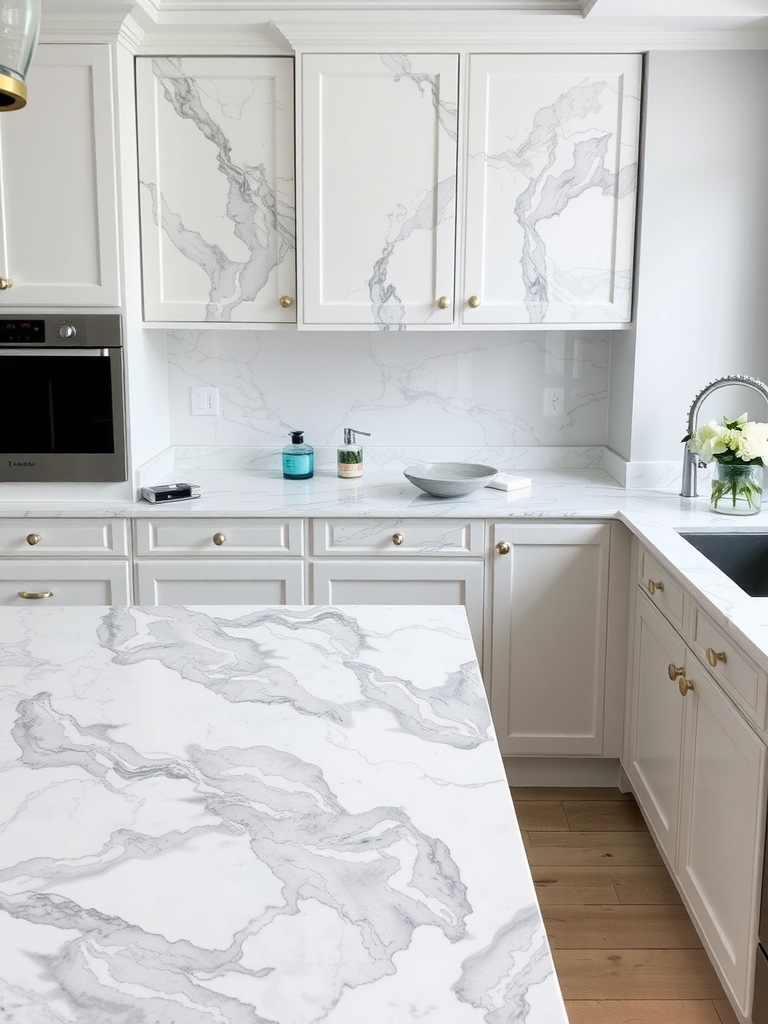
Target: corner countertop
{"x":259,"y":815}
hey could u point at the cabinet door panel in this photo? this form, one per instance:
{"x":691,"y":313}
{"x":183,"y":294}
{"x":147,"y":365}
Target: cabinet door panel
{"x":224,"y":582}
{"x":655,"y":746}
{"x":551,"y":181}
{"x":550,"y":595}
{"x":72,"y":583}
{"x":216,"y":187}
{"x":59,"y":206}
{"x":379,"y":188}
{"x":723,"y":821}
{"x":397,"y":583}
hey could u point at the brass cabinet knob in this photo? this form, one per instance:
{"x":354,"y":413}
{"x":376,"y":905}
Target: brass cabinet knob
{"x":218,"y":539}
{"x":33,"y":538}
{"x":35,"y":597}
{"x":653,"y":587}
{"x":503,"y":547}
{"x":397,"y":539}
{"x":674,"y":672}
{"x":5,"y":283}
{"x":286,"y":301}
{"x":684,"y":685}
{"x":473,"y":301}
{"x":714,"y":656}
{"x":443,"y":302}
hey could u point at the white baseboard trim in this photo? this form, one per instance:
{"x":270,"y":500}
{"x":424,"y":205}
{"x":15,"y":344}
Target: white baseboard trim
{"x":564,"y":771}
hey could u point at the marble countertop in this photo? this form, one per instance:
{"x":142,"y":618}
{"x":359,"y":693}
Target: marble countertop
{"x":655,"y":515}
{"x":266,"y":815}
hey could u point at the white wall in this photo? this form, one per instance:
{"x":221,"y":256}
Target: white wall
{"x":702,"y":285}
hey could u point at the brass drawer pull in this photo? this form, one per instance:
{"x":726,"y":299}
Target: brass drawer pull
{"x":653,"y":587}
{"x":684,"y":686}
{"x":218,"y":539}
{"x":286,"y":301}
{"x":503,"y":547}
{"x":35,"y":597}
{"x":473,"y":301}
{"x":397,"y":539}
{"x":714,"y":656}
{"x":5,"y":283}
{"x":443,"y":302}
{"x":33,"y":538}
{"x":674,"y":672}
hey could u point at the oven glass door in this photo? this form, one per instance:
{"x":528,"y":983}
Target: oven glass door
{"x":58,"y":402}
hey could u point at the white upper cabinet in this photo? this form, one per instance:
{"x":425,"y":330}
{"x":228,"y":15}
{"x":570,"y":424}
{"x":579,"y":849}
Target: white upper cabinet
{"x":217,"y":188}
{"x":551,"y":180}
{"x":379,"y":136}
{"x":58,"y":195}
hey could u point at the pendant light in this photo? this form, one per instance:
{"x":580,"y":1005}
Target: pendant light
{"x":19,"y":29}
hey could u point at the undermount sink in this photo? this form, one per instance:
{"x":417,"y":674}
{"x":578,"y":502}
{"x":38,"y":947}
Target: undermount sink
{"x":743,"y":557}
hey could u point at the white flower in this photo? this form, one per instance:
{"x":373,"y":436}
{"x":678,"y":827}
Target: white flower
{"x":709,"y":440}
{"x":735,"y":438}
{"x":753,"y":442}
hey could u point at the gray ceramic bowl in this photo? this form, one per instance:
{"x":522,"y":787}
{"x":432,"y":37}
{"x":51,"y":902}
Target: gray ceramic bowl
{"x":450,"y":479}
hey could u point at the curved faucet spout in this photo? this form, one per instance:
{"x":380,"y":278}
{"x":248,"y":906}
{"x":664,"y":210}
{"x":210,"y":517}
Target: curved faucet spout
{"x":691,"y":461}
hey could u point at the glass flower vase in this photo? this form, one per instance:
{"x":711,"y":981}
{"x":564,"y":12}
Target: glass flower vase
{"x":737,"y":488}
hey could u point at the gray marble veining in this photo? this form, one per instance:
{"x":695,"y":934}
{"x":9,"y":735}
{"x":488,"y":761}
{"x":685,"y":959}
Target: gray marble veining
{"x":261,"y":211}
{"x":286,"y":815}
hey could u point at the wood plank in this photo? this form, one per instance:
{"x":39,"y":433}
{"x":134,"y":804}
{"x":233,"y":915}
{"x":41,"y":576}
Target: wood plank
{"x":542,"y":816}
{"x":644,"y":885}
{"x":603,"y":816}
{"x":560,"y":886}
{"x":725,"y":1012}
{"x":620,"y":927}
{"x":636,"y":974}
{"x":568,"y":793}
{"x":591,"y":848}
{"x":645,"y":1011}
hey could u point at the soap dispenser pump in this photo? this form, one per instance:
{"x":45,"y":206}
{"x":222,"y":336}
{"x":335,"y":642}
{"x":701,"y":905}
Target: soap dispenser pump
{"x":298,"y":458}
{"x":349,"y":456}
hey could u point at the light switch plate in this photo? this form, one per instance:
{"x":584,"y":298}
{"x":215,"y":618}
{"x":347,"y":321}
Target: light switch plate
{"x":204,"y":401}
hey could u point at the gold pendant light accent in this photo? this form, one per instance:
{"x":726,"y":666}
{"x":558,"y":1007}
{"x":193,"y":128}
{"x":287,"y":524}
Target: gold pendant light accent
{"x":19,"y":31}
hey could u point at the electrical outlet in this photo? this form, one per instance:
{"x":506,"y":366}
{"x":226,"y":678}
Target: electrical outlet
{"x":204,"y":401}
{"x":553,"y":401}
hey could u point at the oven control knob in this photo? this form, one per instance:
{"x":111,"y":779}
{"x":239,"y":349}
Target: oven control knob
{"x":67,"y":331}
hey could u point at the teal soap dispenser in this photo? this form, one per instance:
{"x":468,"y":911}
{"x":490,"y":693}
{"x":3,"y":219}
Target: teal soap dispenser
{"x":298,"y":458}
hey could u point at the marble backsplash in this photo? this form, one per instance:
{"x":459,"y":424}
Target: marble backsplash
{"x":469,"y":389}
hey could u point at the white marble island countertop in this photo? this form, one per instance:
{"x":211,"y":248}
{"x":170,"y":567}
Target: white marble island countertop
{"x":258,"y":815}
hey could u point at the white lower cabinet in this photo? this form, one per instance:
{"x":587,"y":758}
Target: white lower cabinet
{"x":64,"y":582}
{"x":721,"y":830}
{"x":64,"y":561}
{"x":656,"y":731}
{"x":419,"y":581}
{"x":697,"y":768}
{"x":548,"y":637}
{"x":219,"y":561}
{"x":263,"y":581}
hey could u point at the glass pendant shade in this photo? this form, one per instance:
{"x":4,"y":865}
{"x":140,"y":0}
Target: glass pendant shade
{"x":19,"y":29}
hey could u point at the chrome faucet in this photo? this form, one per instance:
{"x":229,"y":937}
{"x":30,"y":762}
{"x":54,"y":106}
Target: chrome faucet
{"x":690,"y":461}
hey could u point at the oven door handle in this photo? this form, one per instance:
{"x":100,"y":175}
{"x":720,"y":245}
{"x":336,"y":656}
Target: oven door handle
{"x":78,"y":353}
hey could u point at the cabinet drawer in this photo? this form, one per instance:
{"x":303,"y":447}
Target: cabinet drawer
{"x":398,"y":537}
{"x":217,"y":538}
{"x":66,"y":582}
{"x":667,"y":595}
{"x":743,"y":681}
{"x":51,"y":538}
{"x":228,"y":581}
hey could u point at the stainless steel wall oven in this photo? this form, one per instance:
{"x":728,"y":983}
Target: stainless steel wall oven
{"x":62,"y":417}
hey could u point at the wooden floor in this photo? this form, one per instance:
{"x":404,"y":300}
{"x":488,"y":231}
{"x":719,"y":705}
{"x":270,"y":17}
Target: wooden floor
{"x":624,"y":947}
